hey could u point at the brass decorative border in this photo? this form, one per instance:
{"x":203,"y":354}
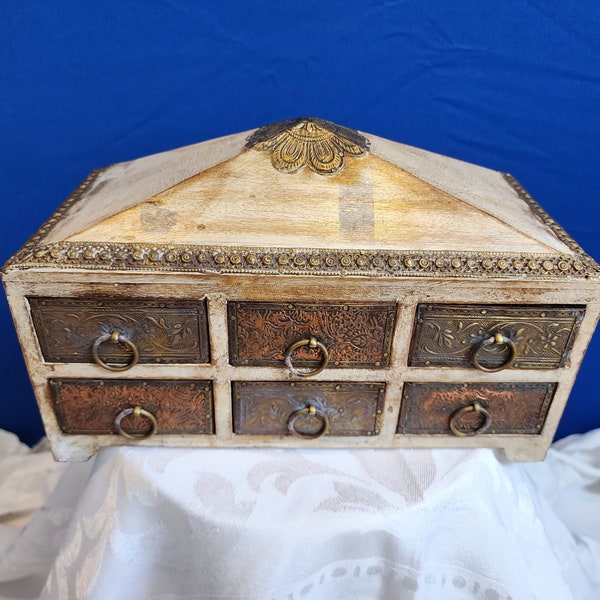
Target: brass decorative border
{"x":302,"y":261}
{"x":307,"y":261}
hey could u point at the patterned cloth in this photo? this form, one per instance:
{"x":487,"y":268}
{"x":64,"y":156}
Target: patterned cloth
{"x":180,"y":524}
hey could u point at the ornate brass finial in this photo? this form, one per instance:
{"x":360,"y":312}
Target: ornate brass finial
{"x":308,"y":142}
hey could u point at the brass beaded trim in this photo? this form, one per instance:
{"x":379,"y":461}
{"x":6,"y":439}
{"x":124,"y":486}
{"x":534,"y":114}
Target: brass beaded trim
{"x":303,"y":261}
{"x":220,"y":259}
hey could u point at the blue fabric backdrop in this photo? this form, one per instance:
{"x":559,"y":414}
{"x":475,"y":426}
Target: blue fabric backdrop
{"x":511,"y":85}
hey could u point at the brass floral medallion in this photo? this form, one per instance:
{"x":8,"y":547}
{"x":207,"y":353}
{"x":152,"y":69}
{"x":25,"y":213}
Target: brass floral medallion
{"x":308,"y":142}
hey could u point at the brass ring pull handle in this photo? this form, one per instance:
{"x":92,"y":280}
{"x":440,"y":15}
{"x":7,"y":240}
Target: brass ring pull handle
{"x":475,"y":407}
{"x":138,"y":411}
{"x":499,"y":339}
{"x":312,"y":342}
{"x":116,"y":338}
{"x":309,"y":410}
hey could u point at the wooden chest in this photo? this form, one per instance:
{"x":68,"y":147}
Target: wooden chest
{"x":299,"y":285}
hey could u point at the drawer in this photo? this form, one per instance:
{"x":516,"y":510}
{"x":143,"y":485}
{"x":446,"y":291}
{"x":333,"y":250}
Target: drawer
{"x":91,"y":406}
{"x":118,"y":333}
{"x":352,"y":335}
{"x":492,"y":338}
{"x":474,"y":409}
{"x":307,"y":409}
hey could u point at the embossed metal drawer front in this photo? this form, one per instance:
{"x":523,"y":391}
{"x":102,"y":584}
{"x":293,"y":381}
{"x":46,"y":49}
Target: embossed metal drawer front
{"x":474,"y":409}
{"x":79,"y":330}
{"x":269,"y":407}
{"x":91,"y":406}
{"x":494,"y":337}
{"x":354,"y":335}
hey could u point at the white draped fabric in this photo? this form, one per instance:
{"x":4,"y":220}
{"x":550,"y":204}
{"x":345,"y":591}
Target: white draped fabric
{"x":266,"y":524}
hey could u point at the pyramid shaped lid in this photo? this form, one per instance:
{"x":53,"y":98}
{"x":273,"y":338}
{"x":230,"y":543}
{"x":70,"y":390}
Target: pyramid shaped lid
{"x":305,"y":196}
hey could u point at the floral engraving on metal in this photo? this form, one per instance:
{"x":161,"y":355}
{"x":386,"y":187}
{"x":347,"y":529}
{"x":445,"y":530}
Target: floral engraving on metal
{"x":91,"y":406}
{"x":266,"y":407}
{"x":308,"y":142}
{"x":512,"y":408}
{"x":541,"y":337}
{"x":355,"y":335}
{"x":162,"y":331}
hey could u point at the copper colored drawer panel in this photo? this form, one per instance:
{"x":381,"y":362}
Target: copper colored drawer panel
{"x":90,"y":406}
{"x":356,"y":335}
{"x":454,"y":336}
{"x":162,"y":331}
{"x":266,"y":407}
{"x":512,"y":408}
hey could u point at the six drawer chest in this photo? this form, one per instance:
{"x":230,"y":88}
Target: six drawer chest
{"x":302,"y":285}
